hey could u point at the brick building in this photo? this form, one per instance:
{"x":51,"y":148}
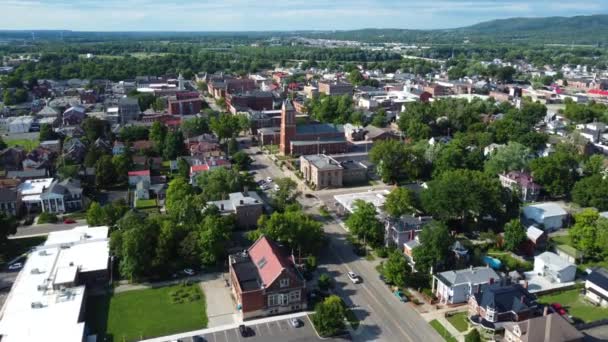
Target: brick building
{"x":187,"y":106}
{"x":256,"y":100}
{"x":266,"y":281}
{"x":335,"y":88}
{"x":437,"y":90}
{"x":311,"y":138}
{"x":220,"y":87}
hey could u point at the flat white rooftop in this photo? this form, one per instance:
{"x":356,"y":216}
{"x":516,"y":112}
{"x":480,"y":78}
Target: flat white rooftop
{"x":34,"y":186}
{"x":44,"y":303}
{"x":377,"y":198}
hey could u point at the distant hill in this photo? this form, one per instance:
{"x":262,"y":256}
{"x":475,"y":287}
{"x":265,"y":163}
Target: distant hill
{"x":565,"y":30}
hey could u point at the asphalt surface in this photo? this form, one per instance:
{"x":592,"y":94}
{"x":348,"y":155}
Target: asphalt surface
{"x":44,"y":229}
{"x":383,"y":317}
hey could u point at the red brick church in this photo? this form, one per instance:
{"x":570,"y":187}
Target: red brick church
{"x":310,"y":138}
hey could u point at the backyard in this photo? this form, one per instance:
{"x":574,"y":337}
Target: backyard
{"x":576,"y":305}
{"x":28,"y":144}
{"x":565,"y":243}
{"x":139,"y":314}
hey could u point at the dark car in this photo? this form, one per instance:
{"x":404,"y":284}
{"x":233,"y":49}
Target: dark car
{"x":245,"y":330}
{"x":69,"y":221}
{"x":198,"y":339}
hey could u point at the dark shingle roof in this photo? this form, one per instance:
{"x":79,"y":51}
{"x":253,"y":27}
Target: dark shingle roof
{"x":599,"y":277}
{"x":506,"y":298}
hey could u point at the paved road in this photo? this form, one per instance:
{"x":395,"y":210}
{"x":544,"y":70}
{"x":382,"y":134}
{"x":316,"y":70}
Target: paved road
{"x":383,"y":317}
{"x":44,"y":229}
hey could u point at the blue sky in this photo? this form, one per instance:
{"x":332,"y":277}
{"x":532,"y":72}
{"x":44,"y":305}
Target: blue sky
{"x":256,"y":15}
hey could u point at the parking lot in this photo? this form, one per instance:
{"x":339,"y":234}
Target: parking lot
{"x":221,"y":308}
{"x":277,"y":330}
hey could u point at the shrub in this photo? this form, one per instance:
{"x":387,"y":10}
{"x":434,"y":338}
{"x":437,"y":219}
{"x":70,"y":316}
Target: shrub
{"x":381,"y":252}
{"x":47,"y":218}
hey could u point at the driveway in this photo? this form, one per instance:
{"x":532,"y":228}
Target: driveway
{"x":221,"y":308}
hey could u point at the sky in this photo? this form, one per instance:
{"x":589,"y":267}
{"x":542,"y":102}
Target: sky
{"x":274,"y":15}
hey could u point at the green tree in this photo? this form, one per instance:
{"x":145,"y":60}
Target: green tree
{"x":173,"y":145}
{"x":464,"y":195}
{"x":8,"y":226}
{"x":3,"y":144}
{"x":285,"y":194}
{"x":324,"y":282}
{"x":122,"y":165}
{"x":591,"y":191}
{"x":584,"y":233}
{"x":214,"y":235}
{"x":195,"y":127}
{"x":177,"y":191}
{"x":330,"y":316}
{"x":435,"y":243}
{"x":395,"y":269}
{"x":400,"y":201}
{"x":512,"y":157}
{"x":95,"y":215}
{"x":294,"y":229}
{"x":364,"y":223}
{"x":218,"y":183}
{"x":242,"y":160}
{"x":556,"y":172}
{"x":159,"y":104}
{"x":379,"y":119}
{"x":105,"y":175}
{"x":233,"y":146}
{"x":183,"y":168}
{"x":396,"y":161}
{"x":225,"y":126}
{"x":515,"y":235}
{"x":47,"y":133}
{"x":158,"y":133}
{"x":94,"y":128}
{"x":137,"y":246}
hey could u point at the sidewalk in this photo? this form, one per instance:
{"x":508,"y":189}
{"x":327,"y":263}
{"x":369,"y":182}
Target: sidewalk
{"x":439,"y":315}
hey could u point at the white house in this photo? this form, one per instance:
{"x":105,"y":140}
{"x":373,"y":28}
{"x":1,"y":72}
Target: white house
{"x":454,"y":287}
{"x":548,"y":214}
{"x":596,"y":287}
{"x":61,"y":197}
{"x":20,"y":124}
{"x":552,"y":266}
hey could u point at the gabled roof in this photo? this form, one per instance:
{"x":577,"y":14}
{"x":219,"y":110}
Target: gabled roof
{"x":139,"y":173}
{"x":268,"y":259}
{"x":553,"y":328}
{"x":513,"y":298}
{"x":599,"y":277}
{"x":473,"y":275}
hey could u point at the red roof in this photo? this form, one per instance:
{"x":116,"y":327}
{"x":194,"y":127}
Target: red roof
{"x":198,"y":168}
{"x":139,"y":173}
{"x":274,"y":264}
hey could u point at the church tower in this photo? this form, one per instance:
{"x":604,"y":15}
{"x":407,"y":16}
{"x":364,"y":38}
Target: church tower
{"x":288,"y":127}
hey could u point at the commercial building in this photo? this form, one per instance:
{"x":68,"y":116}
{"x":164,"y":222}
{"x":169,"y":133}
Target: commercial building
{"x":265,"y":280}
{"x":184,"y":106}
{"x":321,"y":171}
{"x":128,"y":109}
{"x":331,"y":88}
{"x":47,"y":300}
{"x":246,"y":206}
{"x":346,"y":203}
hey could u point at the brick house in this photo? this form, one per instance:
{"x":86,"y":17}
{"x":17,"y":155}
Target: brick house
{"x":247,"y":207}
{"x":522,"y":183}
{"x":265,"y":281}
{"x":497,"y":304}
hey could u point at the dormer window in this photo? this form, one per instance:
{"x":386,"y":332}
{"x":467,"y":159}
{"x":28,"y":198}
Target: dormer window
{"x":284,"y":282}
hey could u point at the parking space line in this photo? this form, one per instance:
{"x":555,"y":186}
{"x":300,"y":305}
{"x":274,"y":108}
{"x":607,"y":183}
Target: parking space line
{"x":256,"y":330}
{"x":269,"y":330}
{"x":279,"y":324}
{"x":226,"y":334}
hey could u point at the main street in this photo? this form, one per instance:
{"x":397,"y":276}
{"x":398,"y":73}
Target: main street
{"x":383,"y":317}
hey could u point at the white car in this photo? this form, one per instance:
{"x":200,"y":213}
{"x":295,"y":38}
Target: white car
{"x":354,"y":277}
{"x":295,"y":322}
{"x":15,"y":266}
{"x":268,"y":179}
{"x":189,"y":271}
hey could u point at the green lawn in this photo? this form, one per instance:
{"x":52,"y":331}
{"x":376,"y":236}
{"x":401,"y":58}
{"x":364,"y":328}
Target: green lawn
{"x":141,"y":314}
{"x":145,"y":203}
{"x":442,"y":331}
{"x":17,"y":247}
{"x":28,"y":144}
{"x":576,"y":305}
{"x":460,"y":321}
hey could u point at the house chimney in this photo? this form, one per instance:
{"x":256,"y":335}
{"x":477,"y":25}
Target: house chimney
{"x":246,"y":190}
{"x":222,"y":206}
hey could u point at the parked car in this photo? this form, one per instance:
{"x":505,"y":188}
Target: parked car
{"x":402,"y":297}
{"x":198,"y":339}
{"x":295,"y":322}
{"x":382,"y":278}
{"x":245,"y":330}
{"x":189,"y":271}
{"x":559,"y":309}
{"x":268,"y":179}
{"x":15,"y":266}
{"x":354,"y":277}
{"x":69,"y":221}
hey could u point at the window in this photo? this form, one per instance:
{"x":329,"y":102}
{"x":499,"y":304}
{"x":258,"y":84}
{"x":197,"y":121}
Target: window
{"x":284,"y":282}
{"x":273,"y":300}
{"x":294,"y":296}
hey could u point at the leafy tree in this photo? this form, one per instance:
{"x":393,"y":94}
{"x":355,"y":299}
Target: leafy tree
{"x":195,"y":127}
{"x":144,"y":100}
{"x":95,"y":215}
{"x":355,"y":77}
{"x":173,"y":145}
{"x":133,"y":133}
{"x":396,"y":161}
{"x":233,"y":146}
{"x":94,"y":128}
{"x":3,"y":144}
{"x":92,"y":156}
{"x":400,"y":201}
{"x":105,"y":175}
{"x":214,"y":234}
{"x":591,"y":191}
{"x":8,"y":226}
{"x":594,"y":165}
{"x":513,"y":156}
{"x":324,"y":282}
{"x":457,"y":155}
{"x":515,"y":235}
{"x":395,"y":269}
{"x":464,"y":195}
{"x":294,"y":229}
{"x":158,"y":132}
{"x":379,"y":119}
{"x":122,"y":165}
{"x":68,"y":171}
{"x":136,"y":246}
{"x":364,"y":223}
{"x":242,"y":160}
{"x":183,"y":168}
{"x":556,"y":172}
{"x":225,"y":126}
{"x":218,"y":183}
{"x":330,"y":316}
{"x":588,"y":233}
{"x":285,"y":194}
{"x":47,"y":133}
{"x":177,"y":191}
{"x":159,"y":104}
{"x":435,"y":243}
